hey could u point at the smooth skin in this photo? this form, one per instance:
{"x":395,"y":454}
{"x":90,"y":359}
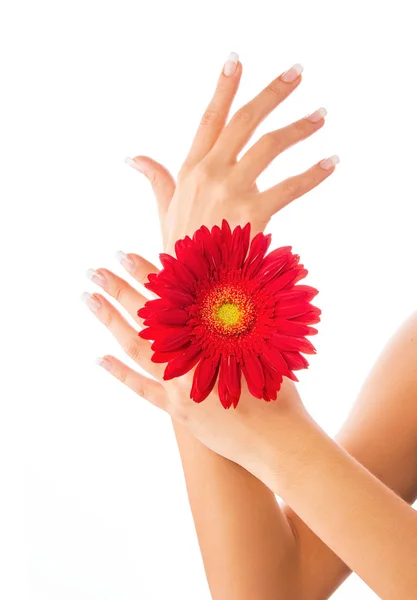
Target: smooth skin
{"x":256,"y":549}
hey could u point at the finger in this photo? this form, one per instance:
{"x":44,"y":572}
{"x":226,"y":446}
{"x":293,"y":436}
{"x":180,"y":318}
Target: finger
{"x":241,"y":127}
{"x":145,"y":387}
{"x":161,"y":180}
{"x":216,"y":113}
{"x":135,"y":347}
{"x":270,"y":145}
{"x":137,"y":266}
{"x":288,"y":190}
{"x":120,"y":290}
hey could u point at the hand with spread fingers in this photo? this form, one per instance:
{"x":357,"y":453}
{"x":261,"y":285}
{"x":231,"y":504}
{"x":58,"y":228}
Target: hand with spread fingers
{"x":212,"y":184}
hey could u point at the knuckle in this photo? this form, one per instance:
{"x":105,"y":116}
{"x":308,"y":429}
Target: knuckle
{"x":132,"y":349}
{"x":275,"y":90}
{"x":123,"y":374}
{"x":244,"y":114}
{"x":108,"y":319}
{"x":289,"y":188}
{"x":210,"y":116}
{"x":140,"y":389}
{"x":270,"y":141}
{"x":119,"y":293}
{"x":301,"y":128}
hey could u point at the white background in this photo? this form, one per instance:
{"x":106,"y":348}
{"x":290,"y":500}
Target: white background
{"x":85,"y":84}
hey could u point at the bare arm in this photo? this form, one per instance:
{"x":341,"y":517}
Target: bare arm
{"x":247,"y":545}
{"x":380,"y":433}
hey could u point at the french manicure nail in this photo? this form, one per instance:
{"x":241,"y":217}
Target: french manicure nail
{"x":328,"y":163}
{"x":125,"y":260}
{"x":292,"y":74}
{"x":134,"y":164}
{"x":231,"y":64}
{"x":103,"y":362}
{"x":317,"y":115}
{"x":96,"y":277}
{"x":92,"y":302}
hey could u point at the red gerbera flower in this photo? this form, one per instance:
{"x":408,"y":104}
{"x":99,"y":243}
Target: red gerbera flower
{"x":229,"y":309}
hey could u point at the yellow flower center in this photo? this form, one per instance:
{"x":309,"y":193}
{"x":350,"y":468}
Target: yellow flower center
{"x":228,"y":313}
{"x":227,"y":309}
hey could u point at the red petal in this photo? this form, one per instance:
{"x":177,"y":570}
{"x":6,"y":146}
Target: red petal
{"x":298,"y":292}
{"x":189,"y":255}
{"x":211,"y":250}
{"x":270,"y":273}
{"x":182,"y":363}
{"x":292,"y":309}
{"x":275,"y":360}
{"x":258,"y":247}
{"x":225,"y":398}
{"x":198,"y":392}
{"x":150,"y":333}
{"x":174,"y":316}
{"x":205,"y":371}
{"x":273,"y":381}
{"x":163,"y":357}
{"x":311,"y":317}
{"x":295,"y":360}
{"x":233,"y":378}
{"x":277,"y":254}
{"x":145,"y":312}
{"x":179,"y":270}
{"x":239,"y":247}
{"x":178,"y":297}
{"x":175,"y":339}
{"x":292,"y":328}
{"x":292,"y":344}
{"x":286,"y":279}
{"x":254,"y":375}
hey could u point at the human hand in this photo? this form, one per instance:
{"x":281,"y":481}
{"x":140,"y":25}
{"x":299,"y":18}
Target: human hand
{"x":242,"y":435}
{"x":212,"y":184}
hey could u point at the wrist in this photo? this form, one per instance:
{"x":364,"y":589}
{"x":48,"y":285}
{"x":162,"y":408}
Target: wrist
{"x":288,"y":436}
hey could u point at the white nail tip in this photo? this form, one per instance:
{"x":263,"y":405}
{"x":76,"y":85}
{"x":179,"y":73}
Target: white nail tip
{"x":85,"y":297}
{"x":334,"y":159}
{"x":120,"y":256}
{"x":91,"y":273}
{"x":124,"y":259}
{"x":230,"y":64}
{"x":233,"y":57}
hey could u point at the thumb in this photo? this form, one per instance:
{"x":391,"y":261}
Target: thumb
{"x":163,"y":183}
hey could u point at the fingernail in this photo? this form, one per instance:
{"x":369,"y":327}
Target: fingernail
{"x":317,"y":115}
{"x":231,"y":64}
{"x":92,"y":302}
{"x":96,"y":277}
{"x":292,"y":74}
{"x":125,"y":260}
{"x":328,"y":163}
{"x":103,"y":362}
{"x":134,"y":164}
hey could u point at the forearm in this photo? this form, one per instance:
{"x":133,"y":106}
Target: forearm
{"x":246,"y":543}
{"x":364,"y":522}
